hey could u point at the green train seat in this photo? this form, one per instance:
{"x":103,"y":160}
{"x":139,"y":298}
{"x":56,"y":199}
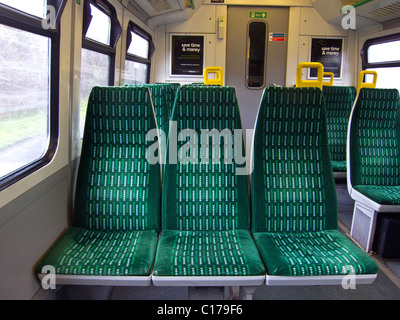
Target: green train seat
{"x":205,"y":239}
{"x":160,"y":95}
{"x":339,"y":101}
{"x":294,"y":204}
{"x":116,"y":216}
{"x":169,"y":97}
{"x":373,"y":155}
{"x":170,"y":92}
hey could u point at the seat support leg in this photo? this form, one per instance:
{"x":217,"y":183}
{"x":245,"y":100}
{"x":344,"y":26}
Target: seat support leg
{"x":248,"y":292}
{"x":363,"y":226}
{"x":234,"y":292}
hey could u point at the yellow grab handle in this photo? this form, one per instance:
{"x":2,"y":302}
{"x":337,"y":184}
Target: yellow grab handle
{"x":219,"y":80}
{"x":310,"y":83}
{"x":362,"y":84}
{"x":330,"y":82}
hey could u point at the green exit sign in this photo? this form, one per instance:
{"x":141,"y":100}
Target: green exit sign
{"x":258,"y":15}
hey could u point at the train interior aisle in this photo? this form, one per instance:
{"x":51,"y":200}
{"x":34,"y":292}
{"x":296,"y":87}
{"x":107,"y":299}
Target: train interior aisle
{"x":84,"y":83}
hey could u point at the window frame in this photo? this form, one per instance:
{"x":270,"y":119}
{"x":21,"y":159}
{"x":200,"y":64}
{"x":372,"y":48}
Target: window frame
{"x":20,"y":20}
{"x":115,"y":33}
{"x":374,"y":41}
{"x":132,"y":27}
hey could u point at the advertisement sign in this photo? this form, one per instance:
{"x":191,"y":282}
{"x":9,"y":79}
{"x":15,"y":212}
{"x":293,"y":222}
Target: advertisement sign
{"x":187,"y":56}
{"x":329,"y":52}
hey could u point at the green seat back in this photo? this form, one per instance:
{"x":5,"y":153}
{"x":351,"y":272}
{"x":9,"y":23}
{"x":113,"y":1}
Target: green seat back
{"x":292,"y":185}
{"x":161,"y":105}
{"x":203,"y":196}
{"x":117,"y":189}
{"x":171,"y":89}
{"x":169,"y":97}
{"x":375,"y":138}
{"x":339,"y":101}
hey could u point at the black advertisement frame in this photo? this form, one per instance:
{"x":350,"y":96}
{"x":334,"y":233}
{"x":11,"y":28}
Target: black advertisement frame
{"x":187,"y":55}
{"x":324,"y":50}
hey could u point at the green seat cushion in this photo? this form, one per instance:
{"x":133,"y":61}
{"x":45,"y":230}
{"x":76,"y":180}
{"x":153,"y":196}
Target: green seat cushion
{"x":207,"y":253}
{"x":386,"y":195}
{"x":320,"y":253}
{"x":111,"y":253}
{"x":339,"y":166}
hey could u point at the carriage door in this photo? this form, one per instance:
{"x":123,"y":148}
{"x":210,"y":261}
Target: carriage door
{"x":256,"y":54}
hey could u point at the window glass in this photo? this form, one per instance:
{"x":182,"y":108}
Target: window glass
{"x":97,"y":59}
{"x":24,"y":98}
{"x":387,"y":77}
{"x":135,"y":72}
{"x":29,"y":88}
{"x":95,"y":71}
{"x":139,"y":49}
{"x":256,"y":54}
{"x":139,"y":46}
{"x":384,"y":52}
{"x":33,"y":7}
{"x":100,"y":26}
{"x":382,"y":55}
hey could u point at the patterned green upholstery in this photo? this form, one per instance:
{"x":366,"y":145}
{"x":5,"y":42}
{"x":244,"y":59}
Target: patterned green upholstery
{"x":375,"y":145}
{"x":339,"y":101}
{"x":292,"y":184}
{"x":294,"y":205}
{"x":112,"y":253}
{"x":169,"y":97}
{"x":170,"y":92}
{"x":205,"y":206}
{"x":160,"y":95}
{"x":161,"y":110}
{"x":207,"y":253}
{"x":320,"y":253}
{"x":117,"y":202}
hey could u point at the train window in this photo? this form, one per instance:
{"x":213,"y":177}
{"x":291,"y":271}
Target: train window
{"x":136,"y":73}
{"x":29,"y":87}
{"x":100,"y":26}
{"x":101,"y":31}
{"x":139,"y":49}
{"x":384,"y":52}
{"x":95,"y":71}
{"x":139,"y":46}
{"x":33,"y":7}
{"x":383,"y":56}
{"x":256,"y":54}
